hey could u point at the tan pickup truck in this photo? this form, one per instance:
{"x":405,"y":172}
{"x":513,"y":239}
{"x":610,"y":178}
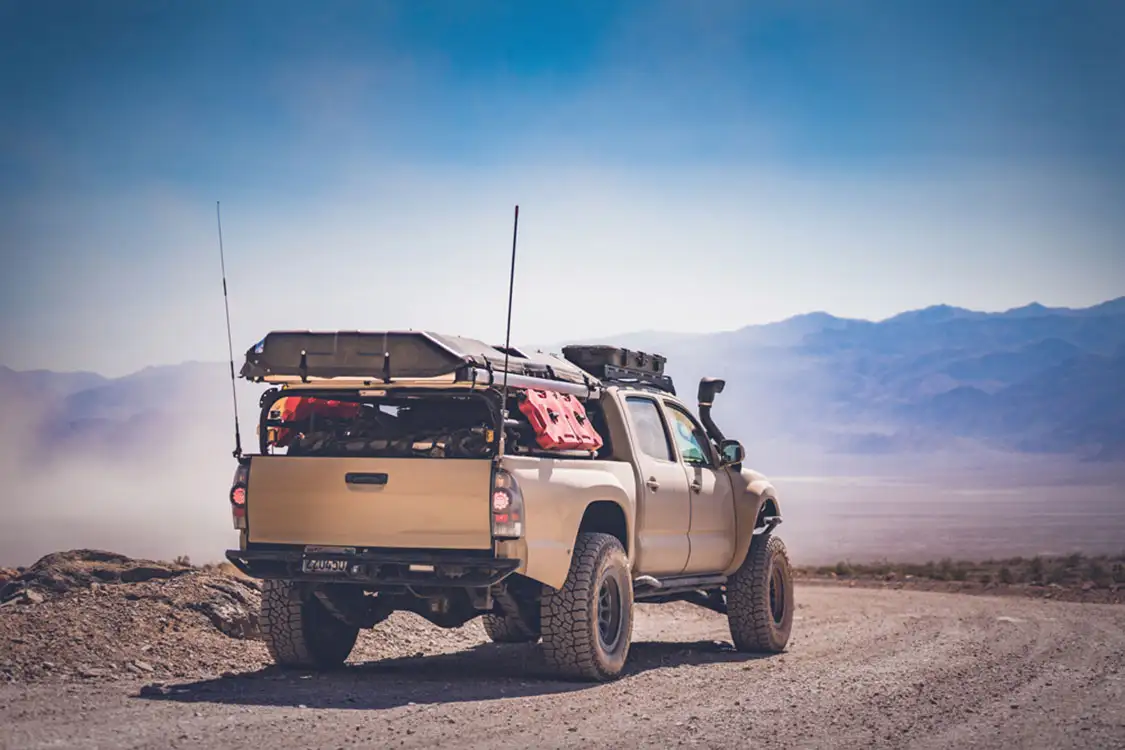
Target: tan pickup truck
{"x":394,"y":473}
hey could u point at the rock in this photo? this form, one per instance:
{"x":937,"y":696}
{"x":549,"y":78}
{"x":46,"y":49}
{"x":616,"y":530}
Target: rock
{"x":90,"y":673}
{"x":231,"y":618}
{"x":31,"y":596}
{"x":10,"y":590}
{"x":61,"y":572}
{"x":1088,"y":586}
{"x":149,"y":572}
{"x":144,"y":666}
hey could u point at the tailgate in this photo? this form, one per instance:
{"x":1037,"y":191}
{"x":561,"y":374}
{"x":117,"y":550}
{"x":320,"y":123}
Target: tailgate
{"x":370,"y":502}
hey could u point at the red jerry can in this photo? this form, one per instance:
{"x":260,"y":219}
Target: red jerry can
{"x":588,"y":437}
{"x":549,"y":418}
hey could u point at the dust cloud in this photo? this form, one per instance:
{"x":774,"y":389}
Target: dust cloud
{"x":153,"y":488}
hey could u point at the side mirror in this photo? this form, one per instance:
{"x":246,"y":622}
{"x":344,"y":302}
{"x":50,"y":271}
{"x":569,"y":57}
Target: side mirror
{"x":732,"y":452}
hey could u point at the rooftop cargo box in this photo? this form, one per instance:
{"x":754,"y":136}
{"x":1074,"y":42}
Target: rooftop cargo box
{"x":614,"y":364}
{"x":283,"y":355}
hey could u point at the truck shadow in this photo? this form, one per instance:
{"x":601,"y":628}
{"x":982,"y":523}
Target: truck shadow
{"x":485,"y":672}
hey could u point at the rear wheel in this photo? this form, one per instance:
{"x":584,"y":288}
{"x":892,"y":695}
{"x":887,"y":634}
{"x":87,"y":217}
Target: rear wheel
{"x":502,"y":629}
{"x":588,"y":624}
{"x":760,"y":598}
{"x":298,"y":629}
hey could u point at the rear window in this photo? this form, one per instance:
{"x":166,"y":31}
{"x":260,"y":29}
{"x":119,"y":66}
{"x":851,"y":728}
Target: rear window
{"x":648,"y":427}
{"x":400,"y":427}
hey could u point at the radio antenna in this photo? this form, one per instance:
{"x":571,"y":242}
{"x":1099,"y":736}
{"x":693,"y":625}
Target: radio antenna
{"x":230,"y":342}
{"x":508,"y":332}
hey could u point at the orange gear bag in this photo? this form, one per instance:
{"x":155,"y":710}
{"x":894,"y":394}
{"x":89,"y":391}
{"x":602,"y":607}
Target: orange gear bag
{"x":299,"y":408}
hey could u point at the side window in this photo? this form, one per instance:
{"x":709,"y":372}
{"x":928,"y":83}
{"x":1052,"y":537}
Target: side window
{"x":652,"y":440}
{"x":691,"y":441}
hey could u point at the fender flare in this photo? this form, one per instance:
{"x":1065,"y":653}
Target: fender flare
{"x":549,"y":545}
{"x":758,"y":495}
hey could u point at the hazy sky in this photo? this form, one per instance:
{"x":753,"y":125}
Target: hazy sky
{"x":679,"y":166}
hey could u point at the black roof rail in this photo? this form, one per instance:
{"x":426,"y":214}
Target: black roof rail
{"x":492,"y":378}
{"x":615,"y":375}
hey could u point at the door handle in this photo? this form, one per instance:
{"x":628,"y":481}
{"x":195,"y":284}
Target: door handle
{"x":652,"y":484}
{"x":358,"y":477}
{"x":697,"y":486}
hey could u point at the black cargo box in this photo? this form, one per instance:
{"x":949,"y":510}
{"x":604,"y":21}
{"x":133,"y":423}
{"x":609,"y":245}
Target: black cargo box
{"x":412,"y":354}
{"x":594,"y":359}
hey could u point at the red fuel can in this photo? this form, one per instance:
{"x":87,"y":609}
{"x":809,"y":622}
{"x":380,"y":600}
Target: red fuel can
{"x":559,"y":420}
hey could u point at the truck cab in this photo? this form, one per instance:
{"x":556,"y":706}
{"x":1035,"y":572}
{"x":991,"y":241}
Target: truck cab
{"x":544,"y":493}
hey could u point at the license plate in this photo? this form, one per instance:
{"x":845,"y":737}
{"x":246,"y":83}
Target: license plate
{"x":323,"y":565}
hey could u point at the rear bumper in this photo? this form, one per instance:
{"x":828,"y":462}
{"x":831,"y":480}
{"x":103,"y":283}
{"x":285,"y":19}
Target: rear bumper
{"x":377,"y":567}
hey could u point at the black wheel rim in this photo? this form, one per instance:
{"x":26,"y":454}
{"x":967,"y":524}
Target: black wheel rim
{"x":777,"y":595}
{"x":609,"y":613}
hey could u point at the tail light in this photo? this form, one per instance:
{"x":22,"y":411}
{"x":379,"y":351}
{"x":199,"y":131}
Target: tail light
{"x":507,"y":507}
{"x":238,"y":490}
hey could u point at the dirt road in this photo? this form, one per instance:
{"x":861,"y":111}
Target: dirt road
{"x":865,"y":668}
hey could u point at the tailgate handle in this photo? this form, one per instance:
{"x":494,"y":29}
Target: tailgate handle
{"x":356,"y":477}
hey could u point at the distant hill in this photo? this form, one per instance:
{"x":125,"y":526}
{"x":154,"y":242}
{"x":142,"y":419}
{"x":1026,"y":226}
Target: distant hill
{"x":36,"y":384}
{"x":153,"y":410}
{"x":1033,"y":379}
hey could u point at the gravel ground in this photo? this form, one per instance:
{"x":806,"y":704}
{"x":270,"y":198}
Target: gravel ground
{"x":865,"y":668}
{"x":92,"y":616}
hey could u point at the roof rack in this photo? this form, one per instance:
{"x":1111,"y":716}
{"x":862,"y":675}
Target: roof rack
{"x":616,"y":375}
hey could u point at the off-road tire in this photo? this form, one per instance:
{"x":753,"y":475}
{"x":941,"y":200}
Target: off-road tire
{"x":502,"y":629}
{"x":573,"y":642}
{"x":299,"y":631}
{"x":756,"y":625}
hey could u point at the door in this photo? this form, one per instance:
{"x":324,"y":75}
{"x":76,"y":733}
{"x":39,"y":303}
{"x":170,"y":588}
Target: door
{"x":663,"y":506}
{"x":711,"y":533}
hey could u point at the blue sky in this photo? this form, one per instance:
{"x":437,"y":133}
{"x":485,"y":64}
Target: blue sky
{"x":680,"y":166}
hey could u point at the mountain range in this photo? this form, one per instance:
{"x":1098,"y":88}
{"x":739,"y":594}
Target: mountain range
{"x":1031,"y":379}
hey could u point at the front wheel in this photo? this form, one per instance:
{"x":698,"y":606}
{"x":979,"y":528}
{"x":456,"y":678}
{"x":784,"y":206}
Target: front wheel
{"x":298,"y":629}
{"x":760,"y":598}
{"x":587,"y":625}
